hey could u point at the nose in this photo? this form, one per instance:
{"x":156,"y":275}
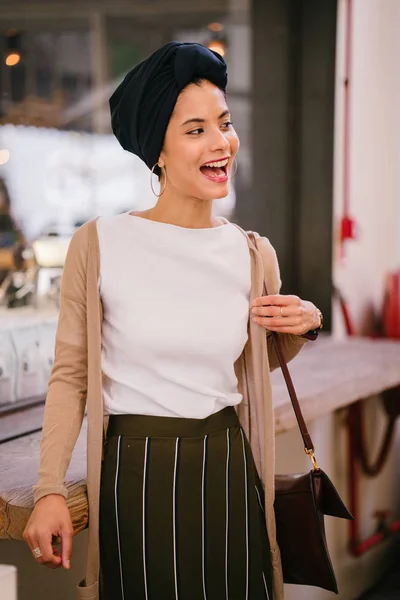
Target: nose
{"x":219,"y":141}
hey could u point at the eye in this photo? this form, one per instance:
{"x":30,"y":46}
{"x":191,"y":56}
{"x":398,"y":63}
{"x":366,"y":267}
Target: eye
{"x":227,"y":124}
{"x":196,"y":131}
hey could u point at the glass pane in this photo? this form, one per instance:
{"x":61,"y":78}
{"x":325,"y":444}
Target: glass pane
{"x":60,"y":164}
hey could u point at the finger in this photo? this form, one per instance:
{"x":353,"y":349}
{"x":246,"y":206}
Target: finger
{"x":66,"y":545}
{"x":276,"y":300}
{"x":33,"y":545}
{"x":279,"y":322}
{"x":292,"y":330}
{"x":48,"y":555}
{"x":53,"y":565}
{"x":275,"y":311}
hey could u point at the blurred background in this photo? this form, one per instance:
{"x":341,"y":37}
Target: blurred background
{"x":314,"y":90}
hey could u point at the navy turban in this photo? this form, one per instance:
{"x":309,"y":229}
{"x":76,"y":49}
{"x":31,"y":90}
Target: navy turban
{"x":142,"y":104}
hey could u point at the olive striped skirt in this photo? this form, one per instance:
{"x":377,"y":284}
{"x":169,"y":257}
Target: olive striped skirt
{"x":181,"y":511}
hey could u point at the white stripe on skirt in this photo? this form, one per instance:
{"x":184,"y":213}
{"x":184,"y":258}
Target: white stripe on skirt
{"x":259,"y":499}
{"x":247,"y":516}
{"x":144,"y":516}
{"x":116,"y":517}
{"x":203,"y":514}
{"x":265,"y":585}
{"x":174,"y":517}
{"x":228,"y":452}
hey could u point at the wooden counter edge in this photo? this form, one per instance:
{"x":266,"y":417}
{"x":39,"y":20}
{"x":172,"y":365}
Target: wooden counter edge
{"x":13,"y":518}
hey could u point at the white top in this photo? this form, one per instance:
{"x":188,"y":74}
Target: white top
{"x":176,"y":308}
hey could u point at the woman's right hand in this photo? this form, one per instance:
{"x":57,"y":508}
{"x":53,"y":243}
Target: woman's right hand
{"x":49,"y":518}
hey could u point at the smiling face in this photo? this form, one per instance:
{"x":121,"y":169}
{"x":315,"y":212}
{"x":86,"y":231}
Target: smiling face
{"x":200,"y":144}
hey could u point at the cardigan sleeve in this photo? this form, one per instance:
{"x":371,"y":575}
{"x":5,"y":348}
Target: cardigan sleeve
{"x":291,"y":344}
{"x":66,"y":395}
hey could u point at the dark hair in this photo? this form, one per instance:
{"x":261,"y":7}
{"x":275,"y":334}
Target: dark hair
{"x":199,"y":82}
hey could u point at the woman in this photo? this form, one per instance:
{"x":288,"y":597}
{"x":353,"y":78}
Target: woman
{"x":182,"y":504}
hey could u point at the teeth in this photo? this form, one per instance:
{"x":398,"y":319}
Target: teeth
{"x":221,"y":163}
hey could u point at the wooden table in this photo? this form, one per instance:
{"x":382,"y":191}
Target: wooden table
{"x":19,"y":462}
{"x":328,"y":375}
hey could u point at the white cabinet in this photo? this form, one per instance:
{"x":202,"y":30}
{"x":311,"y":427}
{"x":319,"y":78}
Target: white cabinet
{"x":8,"y":368}
{"x":30,"y":377}
{"x":8,"y":582}
{"x":47,"y":343}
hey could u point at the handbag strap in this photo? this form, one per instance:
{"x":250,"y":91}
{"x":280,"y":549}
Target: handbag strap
{"x":308,"y":444}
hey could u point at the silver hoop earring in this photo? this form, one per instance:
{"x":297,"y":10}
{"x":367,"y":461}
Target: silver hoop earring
{"x":151,"y":180}
{"x":234,"y":162}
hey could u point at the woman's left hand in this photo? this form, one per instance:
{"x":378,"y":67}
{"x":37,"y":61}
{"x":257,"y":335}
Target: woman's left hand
{"x":285,"y":314}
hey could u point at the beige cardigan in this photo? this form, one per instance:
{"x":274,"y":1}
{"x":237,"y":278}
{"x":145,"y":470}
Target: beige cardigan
{"x":76,"y":383}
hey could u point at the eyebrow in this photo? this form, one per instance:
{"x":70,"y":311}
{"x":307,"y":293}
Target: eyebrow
{"x":198,"y":120}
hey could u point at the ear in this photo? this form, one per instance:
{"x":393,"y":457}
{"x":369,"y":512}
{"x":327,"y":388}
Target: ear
{"x":161,"y":160}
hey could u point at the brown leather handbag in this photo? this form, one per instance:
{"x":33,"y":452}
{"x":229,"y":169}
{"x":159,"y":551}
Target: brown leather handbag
{"x":301,"y":502}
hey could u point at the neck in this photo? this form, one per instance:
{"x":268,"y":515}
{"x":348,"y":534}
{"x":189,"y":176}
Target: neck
{"x":191,"y":213}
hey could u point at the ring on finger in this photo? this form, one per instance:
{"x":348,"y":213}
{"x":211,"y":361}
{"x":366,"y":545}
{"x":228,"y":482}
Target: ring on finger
{"x":37,"y":552}
{"x":282,"y":315}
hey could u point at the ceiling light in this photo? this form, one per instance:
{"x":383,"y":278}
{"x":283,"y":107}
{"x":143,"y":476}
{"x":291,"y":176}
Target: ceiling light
{"x":4,"y":156}
{"x":215,"y":26}
{"x":217,"y":46}
{"x":13,"y":59}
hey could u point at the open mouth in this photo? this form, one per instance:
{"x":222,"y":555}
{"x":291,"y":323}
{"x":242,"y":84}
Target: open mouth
{"x":216,"y":171}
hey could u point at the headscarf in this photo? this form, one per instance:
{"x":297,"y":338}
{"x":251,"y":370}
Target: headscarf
{"x":142,"y":104}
